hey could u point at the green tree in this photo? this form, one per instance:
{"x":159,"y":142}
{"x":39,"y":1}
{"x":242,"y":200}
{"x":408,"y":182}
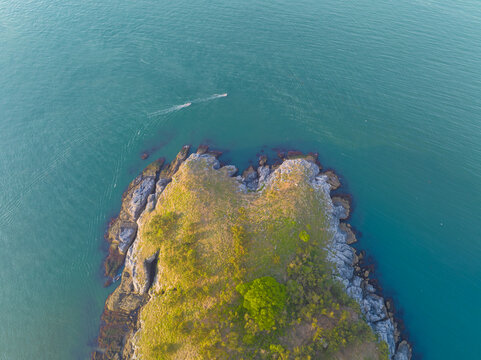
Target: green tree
{"x":264,"y":300}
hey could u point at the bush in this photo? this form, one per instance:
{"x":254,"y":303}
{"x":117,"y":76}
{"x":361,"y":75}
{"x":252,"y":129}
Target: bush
{"x":264,"y":300}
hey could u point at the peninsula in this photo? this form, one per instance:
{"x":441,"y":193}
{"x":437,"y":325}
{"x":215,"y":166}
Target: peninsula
{"x":256,"y":266}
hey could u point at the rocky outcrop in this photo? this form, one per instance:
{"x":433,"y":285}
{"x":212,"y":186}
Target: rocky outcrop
{"x":355,"y":279}
{"x":404,"y":351}
{"x":332,"y":179}
{"x":123,"y":228}
{"x":119,"y":320}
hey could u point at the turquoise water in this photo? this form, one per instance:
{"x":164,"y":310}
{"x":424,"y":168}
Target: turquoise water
{"x":388,"y":92}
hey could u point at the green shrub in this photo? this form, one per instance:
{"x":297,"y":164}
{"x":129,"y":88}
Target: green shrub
{"x":304,"y":236}
{"x":264,"y":299}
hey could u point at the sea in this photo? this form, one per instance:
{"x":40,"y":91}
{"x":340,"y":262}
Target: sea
{"x":387,"y":92}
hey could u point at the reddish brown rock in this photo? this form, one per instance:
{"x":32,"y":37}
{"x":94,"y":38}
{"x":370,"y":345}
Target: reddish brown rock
{"x":345,"y":202}
{"x":332,"y":179}
{"x":262,"y":160}
{"x":350,"y":236}
{"x":202,"y":149}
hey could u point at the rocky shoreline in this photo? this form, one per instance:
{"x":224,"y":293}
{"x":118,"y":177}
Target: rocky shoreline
{"x":120,"y":322}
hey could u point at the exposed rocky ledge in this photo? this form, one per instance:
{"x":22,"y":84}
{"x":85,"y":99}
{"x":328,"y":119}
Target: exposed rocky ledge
{"x":120,"y":317}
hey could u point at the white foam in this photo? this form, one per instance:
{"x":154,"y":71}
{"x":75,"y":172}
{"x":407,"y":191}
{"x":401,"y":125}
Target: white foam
{"x":169,"y":110}
{"x":209,"y":98}
{"x":187,"y":104}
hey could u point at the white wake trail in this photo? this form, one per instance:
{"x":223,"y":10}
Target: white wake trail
{"x":169,"y":110}
{"x":209,"y":98}
{"x":178,"y":107}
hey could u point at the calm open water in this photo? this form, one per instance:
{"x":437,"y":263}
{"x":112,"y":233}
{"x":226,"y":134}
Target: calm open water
{"x":389,"y":93}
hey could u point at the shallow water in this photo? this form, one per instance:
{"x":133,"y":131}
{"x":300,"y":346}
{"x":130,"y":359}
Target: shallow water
{"x":389,"y":94}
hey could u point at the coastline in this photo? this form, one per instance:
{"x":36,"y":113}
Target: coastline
{"x":119,"y":322}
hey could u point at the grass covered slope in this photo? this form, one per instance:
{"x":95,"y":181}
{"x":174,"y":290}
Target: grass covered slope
{"x":236,"y":274}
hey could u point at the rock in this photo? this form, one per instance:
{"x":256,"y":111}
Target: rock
{"x":332,"y":180}
{"x":373,"y":308}
{"x":262,"y":160}
{"x":313,"y":157}
{"x":249,"y":174}
{"x":139,"y":197}
{"x":385,"y":331}
{"x":153,"y":169}
{"x":389,"y":305}
{"x":215,"y":153}
{"x":229,"y":170}
{"x":343,"y":207}
{"x":250,"y":178}
{"x":263,"y":172}
{"x":210,"y":160}
{"x":160,"y":186}
{"x":202,"y":149}
{"x":355,"y":292}
{"x":151,"y":200}
{"x":172,"y":168}
{"x":126,"y":237}
{"x":347,"y":229}
{"x":404,"y":351}
{"x":294,"y":154}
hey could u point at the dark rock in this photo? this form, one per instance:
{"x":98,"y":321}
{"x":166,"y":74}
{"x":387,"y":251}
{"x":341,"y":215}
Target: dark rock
{"x":139,"y":197}
{"x":404,"y":351}
{"x":332,"y":179}
{"x":263,"y":173}
{"x":229,"y":170}
{"x":262,"y":160}
{"x":172,"y":168}
{"x":202,"y":149}
{"x":373,"y":308}
{"x":151,"y":200}
{"x":347,"y":229}
{"x":343,"y":206}
{"x":313,"y":157}
{"x":295,"y":154}
{"x":385,"y":331}
{"x":126,"y":236}
{"x":215,"y":153}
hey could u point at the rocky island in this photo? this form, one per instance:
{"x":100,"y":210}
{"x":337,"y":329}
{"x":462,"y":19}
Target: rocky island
{"x":256,"y":266}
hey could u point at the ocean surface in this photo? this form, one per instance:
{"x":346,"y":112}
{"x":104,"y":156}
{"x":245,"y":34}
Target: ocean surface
{"x":388,"y":92}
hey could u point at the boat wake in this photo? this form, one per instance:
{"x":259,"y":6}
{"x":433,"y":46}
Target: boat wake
{"x":187,"y":104}
{"x":209,"y":98}
{"x":169,"y":110}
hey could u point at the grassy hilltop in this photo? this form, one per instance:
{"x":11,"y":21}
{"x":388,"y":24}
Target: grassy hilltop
{"x":231,"y":274}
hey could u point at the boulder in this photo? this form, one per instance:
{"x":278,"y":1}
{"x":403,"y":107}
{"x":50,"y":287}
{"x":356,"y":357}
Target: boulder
{"x":404,"y":351}
{"x":342,"y":207}
{"x":332,"y":180}
{"x":263,"y":172}
{"x":229,"y":170}
{"x":250,"y":178}
{"x":350,"y":236}
{"x":126,"y":236}
{"x":262,"y":160}
{"x":385,"y":331}
{"x":151,"y":200}
{"x":139,"y":197}
{"x":373,"y":308}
